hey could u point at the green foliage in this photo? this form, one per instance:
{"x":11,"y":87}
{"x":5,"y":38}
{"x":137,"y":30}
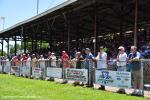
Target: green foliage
{"x":4,"y":53}
{"x":12,"y":48}
{"x":29,"y":47}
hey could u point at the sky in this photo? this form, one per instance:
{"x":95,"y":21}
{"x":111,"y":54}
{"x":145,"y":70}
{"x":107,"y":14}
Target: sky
{"x":16,"y":11}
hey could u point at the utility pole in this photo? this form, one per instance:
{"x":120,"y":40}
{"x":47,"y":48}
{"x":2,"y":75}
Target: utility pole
{"x":3,"y":18}
{"x":37,"y":7}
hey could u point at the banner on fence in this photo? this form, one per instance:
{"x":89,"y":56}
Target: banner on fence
{"x":77,"y":74}
{"x":6,"y":67}
{"x":1,"y":68}
{"x":25,"y":71}
{"x":15,"y":70}
{"x":36,"y":72}
{"x":22,"y":71}
{"x":54,"y":72}
{"x":114,"y":78}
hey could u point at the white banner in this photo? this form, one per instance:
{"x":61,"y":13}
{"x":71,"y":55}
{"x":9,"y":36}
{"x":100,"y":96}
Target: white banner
{"x":77,"y":74}
{"x":114,"y":78}
{"x":6,"y":66}
{"x":22,"y":70}
{"x":0,"y":68}
{"x":15,"y":70}
{"x":25,"y":71}
{"x":36,"y":72}
{"x":54,"y":72}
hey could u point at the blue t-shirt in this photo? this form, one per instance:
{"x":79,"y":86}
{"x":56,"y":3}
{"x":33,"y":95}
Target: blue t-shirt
{"x":89,"y":63}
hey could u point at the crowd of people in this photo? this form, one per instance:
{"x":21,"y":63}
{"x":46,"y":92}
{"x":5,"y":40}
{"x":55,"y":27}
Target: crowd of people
{"x":85,"y":59}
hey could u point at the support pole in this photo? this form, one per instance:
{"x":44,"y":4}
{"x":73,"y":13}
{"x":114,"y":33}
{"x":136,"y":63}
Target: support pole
{"x":36,"y":44}
{"x":7,"y":47}
{"x":15,"y":45}
{"x":135,"y":21}
{"x":22,"y":37}
{"x":25,"y":44}
{"x":37,"y":7}
{"x":2,"y":48}
{"x":68,"y":28}
{"x":32,"y":43}
{"x":50,"y":31}
{"x":95,"y":28}
{"x":121,"y":24}
{"x":41,"y":41}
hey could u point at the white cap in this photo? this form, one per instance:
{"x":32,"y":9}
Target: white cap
{"x":121,"y":47}
{"x":52,"y":53}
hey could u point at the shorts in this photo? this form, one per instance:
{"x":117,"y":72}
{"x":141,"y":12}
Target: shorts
{"x":136,"y":74}
{"x":121,"y":68}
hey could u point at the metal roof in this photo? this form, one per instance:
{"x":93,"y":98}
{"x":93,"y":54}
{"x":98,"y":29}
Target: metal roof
{"x":40,"y":15}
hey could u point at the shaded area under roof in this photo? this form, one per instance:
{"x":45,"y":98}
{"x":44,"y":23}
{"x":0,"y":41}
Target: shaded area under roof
{"x":81,"y":19}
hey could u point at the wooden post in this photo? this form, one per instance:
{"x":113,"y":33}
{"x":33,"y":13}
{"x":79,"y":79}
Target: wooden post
{"x":15,"y":45}
{"x":135,"y":21}
{"x":2,"y":47}
{"x":95,"y":28}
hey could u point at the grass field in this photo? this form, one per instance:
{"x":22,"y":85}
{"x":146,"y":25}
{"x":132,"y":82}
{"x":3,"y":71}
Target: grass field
{"x":16,"y":88}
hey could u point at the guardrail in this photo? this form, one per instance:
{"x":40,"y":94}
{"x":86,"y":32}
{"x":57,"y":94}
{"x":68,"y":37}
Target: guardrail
{"x":82,"y":71}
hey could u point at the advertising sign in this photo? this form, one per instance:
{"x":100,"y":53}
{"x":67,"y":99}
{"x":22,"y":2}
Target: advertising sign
{"x":0,"y":68}
{"x":36,"y":72}
{"x":6,"y":66}
{"x":54,"y":72}
{"x":77,"y":74}
{"x":113,"y":78}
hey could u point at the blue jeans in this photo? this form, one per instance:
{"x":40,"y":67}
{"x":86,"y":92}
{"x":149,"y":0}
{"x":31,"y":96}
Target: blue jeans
{"x":129,"y":67}
{"x":121,"y":68}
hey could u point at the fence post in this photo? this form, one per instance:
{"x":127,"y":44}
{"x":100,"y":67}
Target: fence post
{"x":19,"y":68}
{"x":2,"y":66}
{"x":30,"y":69}
{"x":142,"y":79}
{"x":10,"y":68}
{"x":63,"y":69}
{"x":45,"y":69}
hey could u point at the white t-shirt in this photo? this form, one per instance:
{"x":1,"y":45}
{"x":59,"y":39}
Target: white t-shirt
{"x":101,"y":60}
{"x":42,"y":62}
{"x":53,"y":61}
{"x":122,"y":59}
{"x":28,"y":62}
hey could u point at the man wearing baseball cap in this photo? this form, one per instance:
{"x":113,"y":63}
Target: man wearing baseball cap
{"x":121,"y":63}
{"x":121,"y":59}
{"x":89,"y":64}
{"x":101,"y":62}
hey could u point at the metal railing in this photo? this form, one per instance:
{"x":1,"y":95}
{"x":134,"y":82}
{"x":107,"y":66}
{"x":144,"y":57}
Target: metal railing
{"x":86,"y":71}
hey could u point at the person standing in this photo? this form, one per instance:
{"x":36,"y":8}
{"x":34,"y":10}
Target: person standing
{"x":34,"y":61}
{"x":101,"y":62}
{"x":41,"y":61}
{"x":121,"y":59}
{"x":135,"y":68}
{"x":89,"y":65}
{"x":65,"y":59}
{"x":121,"y":64}
{"x":53,"y":60}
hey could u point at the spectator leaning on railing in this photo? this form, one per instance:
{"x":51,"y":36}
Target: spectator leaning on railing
{"x":34,"y":60}
{"x":121,"y":59}
{"x":53,"y":60}
{"x":135,"y":68}
{"x":121,"y":63}
{"x":65,"y":59}
{"x":79,"y":58}
{"x":89,"y":64}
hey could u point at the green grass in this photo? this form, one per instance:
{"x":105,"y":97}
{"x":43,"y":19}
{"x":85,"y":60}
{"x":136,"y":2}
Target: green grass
{"x":16,"y":88}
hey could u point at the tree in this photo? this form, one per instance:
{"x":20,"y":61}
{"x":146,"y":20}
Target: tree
{"x":12,"y":48}
{"x":4,"y":53}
